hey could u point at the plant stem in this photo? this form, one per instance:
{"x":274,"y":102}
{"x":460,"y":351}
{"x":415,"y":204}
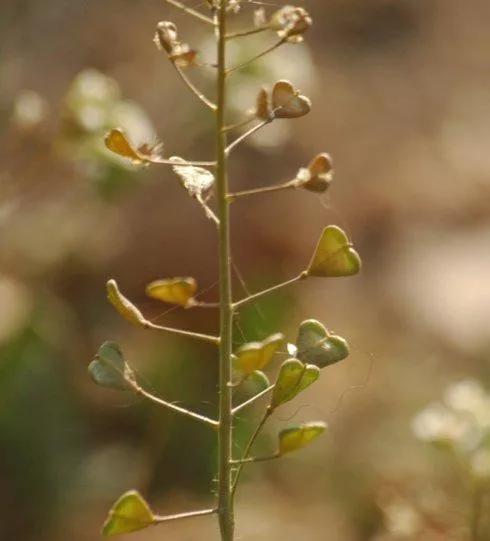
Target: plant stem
{"x":177,"y":409}
{"x":265,"y":189}
{"x":168,"y":518}
{"x":254,"y":398}
{"x":193,"y":88}
{"x":190,"y":11}
{"x":247,"y":134}
{"x":476,"y":513}
{"x":248,"y":449}
{"x":225,"y":498}
{"x":256,"y":296}
{"x":190,"y":334}
{"x":249,"y":32}
{"x":254,"y":459}
{"x":256,"y":57}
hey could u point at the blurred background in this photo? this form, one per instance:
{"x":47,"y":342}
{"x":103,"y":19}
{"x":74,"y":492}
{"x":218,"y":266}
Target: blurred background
{"x":400,"y":97}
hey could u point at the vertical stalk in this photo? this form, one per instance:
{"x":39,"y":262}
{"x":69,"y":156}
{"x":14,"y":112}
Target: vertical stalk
{"x":225,"y":500}
{"x":476,"y":513}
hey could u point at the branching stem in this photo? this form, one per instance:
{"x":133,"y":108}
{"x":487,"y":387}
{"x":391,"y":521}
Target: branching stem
{"x":163,"y":161}
{"x":248,"y":449}
{"x":193,"y":88}
{"x":256,"y":57}
{"x":265,"y":189}
{"x":190,"y":11}
{"x":191,"y":514}
{"x":247,"y":134}
{"x":190,"y":334}
{"x":207,"y":210}
{"x":248,"y":32}
{"x":253,"y":459}
{"x":252,"y":400}
{"x":177,"y":409}
{"x":255,"y":296}
{"x":240,"y":124}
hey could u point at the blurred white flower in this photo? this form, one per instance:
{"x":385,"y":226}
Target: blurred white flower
{"x":30,"y":109}
{"x":469,"y":396}
{"x":480,"y":464}
{"x":436,"y":423}
{"x":402,"y":520}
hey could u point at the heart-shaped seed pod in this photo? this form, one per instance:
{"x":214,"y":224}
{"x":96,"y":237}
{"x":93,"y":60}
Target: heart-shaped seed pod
{"x":334,"y":255}
{"x":318,"y":176}
{"x":287,"y":102}
{"x":316,"y":345}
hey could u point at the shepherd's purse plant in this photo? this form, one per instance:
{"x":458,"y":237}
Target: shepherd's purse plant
{"x":315,"y":347}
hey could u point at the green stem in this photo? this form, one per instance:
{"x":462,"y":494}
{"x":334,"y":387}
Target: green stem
{"x":265,"y":189}
{"x":255,"y":296}
{"x":256,"y":57}
{"x":225,"y":498}
{"x":476,"y":513}
{"x":249,"y":32}
{"x":248,"y":449}
{"x":180,"y":516}
{"x":176,"y":409}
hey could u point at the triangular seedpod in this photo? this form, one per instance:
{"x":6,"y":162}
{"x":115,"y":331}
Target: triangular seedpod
{"x":295,"y":438}
{"x":334,"y":255}
{"x":288,"y":102}
{"x":178,"y":291}
{"x":294,"y":377}
{"x":129,"y":514}
{"x":316,"y":345}
{"x":257,"y":355}
{"x":109,"y":369}
{"x":118,"y":142}
{"x":318,"y":176}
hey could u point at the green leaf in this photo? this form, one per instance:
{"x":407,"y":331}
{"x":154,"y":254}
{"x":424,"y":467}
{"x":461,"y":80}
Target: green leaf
{"x":317,"y":346}
{"x":109,"y":369}
{"x":123,"y":305}
{"x":334,"y":255}
{"x":297,"y":437}
{"x":257,"y":355}
{"x":178,"y":291}
{"x":129,"y":514}
{"x":293,"y":378}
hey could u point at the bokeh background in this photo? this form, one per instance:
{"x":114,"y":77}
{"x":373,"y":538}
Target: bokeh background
{"x":400,"y":94}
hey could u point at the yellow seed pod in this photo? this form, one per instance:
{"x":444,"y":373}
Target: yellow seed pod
{"x":123,"y":305}
{"x":178,"y":291}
